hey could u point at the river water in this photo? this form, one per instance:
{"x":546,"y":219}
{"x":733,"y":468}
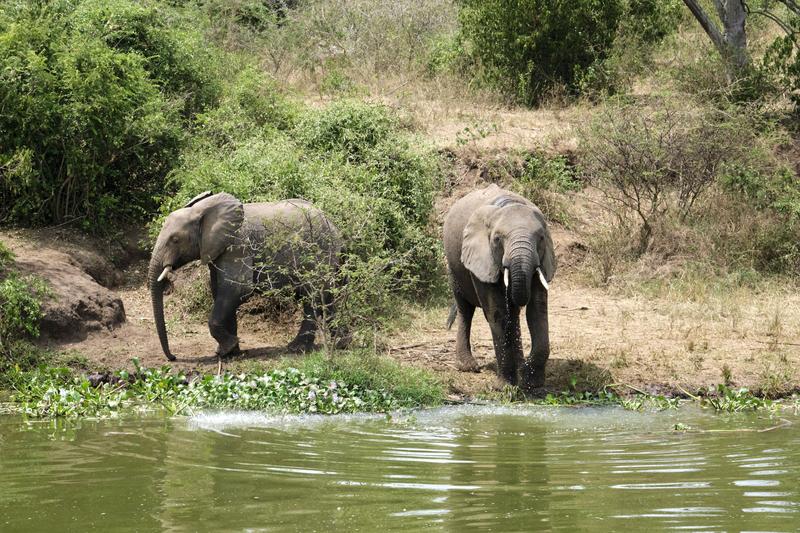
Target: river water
{"x":480,"y":468}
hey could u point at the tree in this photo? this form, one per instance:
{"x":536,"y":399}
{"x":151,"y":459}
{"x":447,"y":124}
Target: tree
{"x":731,"y":41}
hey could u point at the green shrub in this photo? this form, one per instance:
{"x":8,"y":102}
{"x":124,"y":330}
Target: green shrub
{"x":6,"y":256}
{"x":527,"y":47}
{"x":355,"y":161}
{"x":347,"y":127}
{"x":21,"y":306}
{"x":530,"y":48}
{"x":93,"y":95}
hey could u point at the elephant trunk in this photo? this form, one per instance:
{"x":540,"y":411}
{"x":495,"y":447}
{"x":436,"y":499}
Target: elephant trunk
{"x":157,"y":285}
{"x":521,"y":269}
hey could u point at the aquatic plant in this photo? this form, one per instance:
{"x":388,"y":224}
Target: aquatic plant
{"x":56,"y":392}
{"x":736,"y":400}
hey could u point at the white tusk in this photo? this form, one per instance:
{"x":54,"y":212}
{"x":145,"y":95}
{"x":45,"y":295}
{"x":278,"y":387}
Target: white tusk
{"x":165,"y":273}
{"x":505,"y":277}
{"x":542,"y":279}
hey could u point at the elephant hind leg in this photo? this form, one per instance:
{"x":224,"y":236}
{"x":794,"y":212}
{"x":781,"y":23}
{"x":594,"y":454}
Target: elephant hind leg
{"x":304,"y":340}
{"x":465,"y":361}
{"x":339,"y":333}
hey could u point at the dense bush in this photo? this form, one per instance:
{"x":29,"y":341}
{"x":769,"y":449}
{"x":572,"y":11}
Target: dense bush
{"x":356,"y":161}
{"x":532,"y":47}
{"x":94,"y":97}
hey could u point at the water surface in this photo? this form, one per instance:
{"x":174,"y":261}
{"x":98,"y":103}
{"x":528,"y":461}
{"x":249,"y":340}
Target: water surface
{"x":457,"y":469}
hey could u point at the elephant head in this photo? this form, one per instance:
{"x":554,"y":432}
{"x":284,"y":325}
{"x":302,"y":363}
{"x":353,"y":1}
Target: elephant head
{"x":203,"y":229}
{"x":511,"y":237}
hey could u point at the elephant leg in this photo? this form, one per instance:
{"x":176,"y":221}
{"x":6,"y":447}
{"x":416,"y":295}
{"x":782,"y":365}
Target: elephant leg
{"x":231,"y":324}
{"x":304,"y":340}
{"x":503,"y":319}
{"x":464,"y":358}
{"x":212,"y":270}
{"x":222,"y":324}
{"x":533,"y":371}
{"x":340,"y":333}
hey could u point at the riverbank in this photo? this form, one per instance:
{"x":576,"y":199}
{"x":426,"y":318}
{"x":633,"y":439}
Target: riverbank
{"x":668,"y":336}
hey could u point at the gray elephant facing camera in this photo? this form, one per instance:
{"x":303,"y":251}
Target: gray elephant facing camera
{"x":246,"y":247}
{"x":501,"y":259}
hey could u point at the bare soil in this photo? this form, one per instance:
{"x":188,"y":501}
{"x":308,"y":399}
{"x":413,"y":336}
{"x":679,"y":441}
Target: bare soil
{"x":597,"y":339}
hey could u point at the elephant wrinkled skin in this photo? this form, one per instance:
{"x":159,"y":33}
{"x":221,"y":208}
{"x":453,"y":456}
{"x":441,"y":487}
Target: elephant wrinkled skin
{"x":246,"y":247}
{"x":500,"y":255}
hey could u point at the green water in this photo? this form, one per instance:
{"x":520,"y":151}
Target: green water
{"x":455,"y":469}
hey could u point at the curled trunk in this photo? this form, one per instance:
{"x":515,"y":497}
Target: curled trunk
{"x":157,"y":296}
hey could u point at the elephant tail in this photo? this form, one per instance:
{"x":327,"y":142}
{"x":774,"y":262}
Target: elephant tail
{"x":452,"y":317}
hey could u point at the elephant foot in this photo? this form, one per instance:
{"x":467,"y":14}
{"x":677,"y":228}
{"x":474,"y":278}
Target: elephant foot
{"x":465,"y":362}
{"x":300,"y":345}
{"x":229,"y":350}
{"x":343,"y":340}
{"x":533,"y":378}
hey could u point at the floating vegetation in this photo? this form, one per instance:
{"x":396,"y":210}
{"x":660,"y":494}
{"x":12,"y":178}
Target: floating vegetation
{"x":56,"y":392}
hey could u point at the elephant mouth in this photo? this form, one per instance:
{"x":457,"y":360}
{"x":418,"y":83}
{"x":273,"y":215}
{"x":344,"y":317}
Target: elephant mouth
{"x":167,"y":277}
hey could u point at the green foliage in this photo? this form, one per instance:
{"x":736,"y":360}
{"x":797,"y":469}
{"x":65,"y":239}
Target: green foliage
{"x":355,"y":161}
{"x":412,"y":386}
{"x":93,"y":96}
{"x":320,"y":386}
{"x":21,"y":306}
{"x":348,"y":127}
{"x":736,"y":400}
{"x":779,"y":190}
{"x":20,"y":313}
{"x":781,"y":62}
{"x":6,"y":256}
{"x":529,"y":46}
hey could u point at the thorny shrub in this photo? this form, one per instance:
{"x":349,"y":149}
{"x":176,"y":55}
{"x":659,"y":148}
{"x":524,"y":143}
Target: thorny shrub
{"x":655,"y":160}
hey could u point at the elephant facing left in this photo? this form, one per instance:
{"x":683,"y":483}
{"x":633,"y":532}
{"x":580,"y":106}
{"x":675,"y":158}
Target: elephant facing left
{"x":247,"y":247}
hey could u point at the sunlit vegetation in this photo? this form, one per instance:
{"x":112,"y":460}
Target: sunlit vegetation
{"x":345,"y":385}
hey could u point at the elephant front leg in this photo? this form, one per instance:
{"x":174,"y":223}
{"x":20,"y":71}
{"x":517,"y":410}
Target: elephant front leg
{"x":465,"y":361}
{"x":504,"y":323}
{"x":222,"y":325}
{"x":533,"y":371}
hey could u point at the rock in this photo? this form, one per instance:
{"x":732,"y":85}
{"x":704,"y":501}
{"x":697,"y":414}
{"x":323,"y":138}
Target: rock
{"x":79,"y":305}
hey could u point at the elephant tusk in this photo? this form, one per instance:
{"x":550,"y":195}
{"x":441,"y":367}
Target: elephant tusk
{"x":505,"y":277}
{"x":543,"y":279}
{"x":165,"y":273}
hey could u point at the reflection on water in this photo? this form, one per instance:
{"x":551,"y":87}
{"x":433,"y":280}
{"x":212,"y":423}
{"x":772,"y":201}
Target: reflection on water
{"x":458,"y":469}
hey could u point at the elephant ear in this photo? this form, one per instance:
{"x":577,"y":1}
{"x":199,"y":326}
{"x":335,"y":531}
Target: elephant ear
{"x":477,"y":253}
{"x":548,"y":257}
{"x":201,"y":196}
{"x":221,"y":215}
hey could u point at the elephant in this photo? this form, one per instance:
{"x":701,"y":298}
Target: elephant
{"x":247,"y":247}
{"x":500,"y":257}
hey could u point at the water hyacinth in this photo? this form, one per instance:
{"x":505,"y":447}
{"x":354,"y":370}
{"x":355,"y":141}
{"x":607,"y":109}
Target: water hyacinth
{"x":53,"y":393}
